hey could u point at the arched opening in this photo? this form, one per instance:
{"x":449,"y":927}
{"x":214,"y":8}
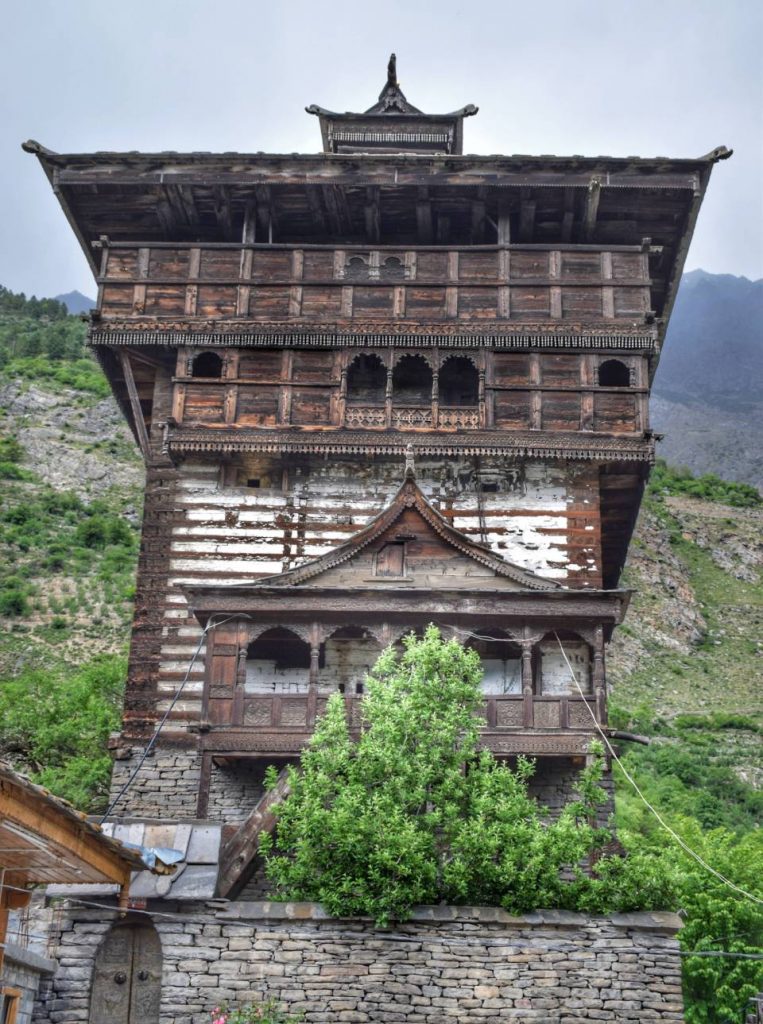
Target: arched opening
{"x":128,"y":976}
{"x":554,"y":670}
{"x":207,"y":364}
{"x":356,"y":269}
{"x":459,"y":382}
{"x":349,"y":654}
{"x":392,"y":269}
{"x":278,"y":661}
{"x":501,"y":659}
{"x":412,"y":382}
{"x":366,"y":381}
{"x":614,"y":374}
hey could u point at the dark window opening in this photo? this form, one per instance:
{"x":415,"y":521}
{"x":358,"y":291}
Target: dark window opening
{"x":412,"y":382}
{"x":253,"y":483}
{"x":358,"y":688}
{"x":282,"y":647}
{"x":392,"y":269}
{"x":356,"y":269}
{"x":366,"y":380}
{"x":614,"y":374}
{"x":489,"y":487}
{"x":207,"y":364}
{"x":459,"y":382}
{"x":390,"y":560}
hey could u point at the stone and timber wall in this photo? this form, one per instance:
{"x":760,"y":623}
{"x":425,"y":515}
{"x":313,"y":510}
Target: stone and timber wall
{"x":466,"y":965}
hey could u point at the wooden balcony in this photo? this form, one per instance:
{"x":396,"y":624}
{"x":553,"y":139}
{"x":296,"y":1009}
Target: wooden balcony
{"x":280,"y":725}
{"x":311,"y":285}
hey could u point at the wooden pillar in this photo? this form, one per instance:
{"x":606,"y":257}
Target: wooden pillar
{"x":527,"y":684}
{"x":342,"y":403}
{"x":436,"y":393}
{"x":388,"y":390}
{"x":481,"y":400}
{"x":599,"y":677}
{"x":312,"y":693}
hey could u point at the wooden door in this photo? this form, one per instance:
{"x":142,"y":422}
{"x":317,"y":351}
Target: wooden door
{"x":127,"y":978}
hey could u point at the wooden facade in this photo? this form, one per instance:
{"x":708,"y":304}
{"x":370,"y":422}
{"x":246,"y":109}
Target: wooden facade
{"x":378,"y":387}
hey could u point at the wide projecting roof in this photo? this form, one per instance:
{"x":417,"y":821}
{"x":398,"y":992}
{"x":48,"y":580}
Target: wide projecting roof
{"x":391,"y":175}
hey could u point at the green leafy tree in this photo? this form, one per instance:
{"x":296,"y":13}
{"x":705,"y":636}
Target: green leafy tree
{"x":55,"y":725}
{"x":414,"y":812}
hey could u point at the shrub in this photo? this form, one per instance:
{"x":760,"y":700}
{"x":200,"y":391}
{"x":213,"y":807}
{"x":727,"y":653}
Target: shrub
{"x":377,"y":826}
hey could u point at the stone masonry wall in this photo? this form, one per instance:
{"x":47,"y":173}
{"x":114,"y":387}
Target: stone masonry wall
{"x":466,"y":965}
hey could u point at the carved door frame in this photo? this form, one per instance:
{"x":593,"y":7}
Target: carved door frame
{"x":127,"y":976}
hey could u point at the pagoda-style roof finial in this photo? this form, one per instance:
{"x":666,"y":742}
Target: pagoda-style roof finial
{"x":392,"y":125}
{"x":391,"y":98}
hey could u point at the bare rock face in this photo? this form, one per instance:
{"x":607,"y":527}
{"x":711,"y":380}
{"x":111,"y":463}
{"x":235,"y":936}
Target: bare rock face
{"x":73,"y":441}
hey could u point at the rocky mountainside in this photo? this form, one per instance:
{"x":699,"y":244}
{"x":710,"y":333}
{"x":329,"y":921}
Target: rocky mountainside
{"x":708,"y":392}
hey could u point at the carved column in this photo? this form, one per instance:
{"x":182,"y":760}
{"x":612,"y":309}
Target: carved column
{"x":599,"y":677}
{"x":481,"y":399}
{"x":388,"y":391}
{"x":436,"y":398}
{"x":342,"y":396}
{"x":528,"y":719}
{"x":312,"y":693}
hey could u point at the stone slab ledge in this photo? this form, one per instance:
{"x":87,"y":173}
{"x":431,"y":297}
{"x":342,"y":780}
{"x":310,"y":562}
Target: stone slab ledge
{"x":663,"y":922}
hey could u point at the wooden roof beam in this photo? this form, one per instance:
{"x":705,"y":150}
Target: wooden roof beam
{"x":338,"y":210}
{"x":477,"y":228}
{"x":266,"y":218}
{"x":526,"y":216}
{"x":317,"y":212}
{"x":223,"y":212}
{"x":237,"y":855}
{"x":423,"y":216}
{"x":593,"y":196}
{"x":568,"y":217}
{"x":183,"y":206}
{"x":372,"y":214}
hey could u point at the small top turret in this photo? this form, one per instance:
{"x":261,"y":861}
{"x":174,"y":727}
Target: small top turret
{"x":392,"y":125}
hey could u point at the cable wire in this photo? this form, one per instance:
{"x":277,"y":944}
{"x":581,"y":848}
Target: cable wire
{"x":681,"y":842}
{"x":152,"y":742}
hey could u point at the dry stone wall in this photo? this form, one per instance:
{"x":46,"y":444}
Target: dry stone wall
{"x":466,"y":965}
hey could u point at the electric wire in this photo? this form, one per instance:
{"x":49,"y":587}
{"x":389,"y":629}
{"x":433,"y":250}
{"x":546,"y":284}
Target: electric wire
{"x":152,"y":742}
{"x":681,"y":842}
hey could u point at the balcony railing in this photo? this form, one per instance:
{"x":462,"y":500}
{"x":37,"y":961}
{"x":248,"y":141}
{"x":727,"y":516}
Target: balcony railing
{"x":299,"y":712}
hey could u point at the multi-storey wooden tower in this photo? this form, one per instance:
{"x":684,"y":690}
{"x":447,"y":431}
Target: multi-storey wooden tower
{"x":378,"y":387}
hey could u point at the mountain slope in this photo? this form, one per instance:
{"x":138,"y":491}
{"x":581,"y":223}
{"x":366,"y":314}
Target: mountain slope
{"x":708,"y":392}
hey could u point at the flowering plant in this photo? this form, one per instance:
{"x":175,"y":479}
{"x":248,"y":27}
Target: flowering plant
{"x":268,"y":1012}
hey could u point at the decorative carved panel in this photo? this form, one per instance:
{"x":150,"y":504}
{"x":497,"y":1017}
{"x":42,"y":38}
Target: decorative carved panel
{"x":546,"y":715}
{"x":579,"y":715}
{"x":412,"y":416}
{"x":258,"y":712}
{"x":362,"y":417}
{"x":509,"y":713}
{"x":468,"y":419}
{"x":294,"y":712}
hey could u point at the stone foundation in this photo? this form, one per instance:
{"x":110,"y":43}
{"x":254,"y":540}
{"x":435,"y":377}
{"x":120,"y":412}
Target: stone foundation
{"x":466,"y":965}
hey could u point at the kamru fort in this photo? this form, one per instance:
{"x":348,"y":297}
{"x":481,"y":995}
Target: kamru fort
{"x":375,"y":388}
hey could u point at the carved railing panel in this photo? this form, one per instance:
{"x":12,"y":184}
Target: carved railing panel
{"x":508,"y":711}
{"x":412,"y":417}
{"x":364,"y":417}
{"x":466,"y":418}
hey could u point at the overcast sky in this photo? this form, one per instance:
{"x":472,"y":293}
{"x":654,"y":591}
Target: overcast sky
{"x":616,"y":77}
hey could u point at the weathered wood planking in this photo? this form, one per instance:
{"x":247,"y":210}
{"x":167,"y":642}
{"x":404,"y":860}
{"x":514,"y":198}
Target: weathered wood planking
{"x":290,"y":283}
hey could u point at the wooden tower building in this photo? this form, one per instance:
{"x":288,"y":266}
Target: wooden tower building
{"x":382,"y":386}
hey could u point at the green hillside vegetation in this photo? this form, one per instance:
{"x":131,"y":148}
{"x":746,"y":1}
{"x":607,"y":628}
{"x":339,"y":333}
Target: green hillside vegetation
{"x":685,"y":667}
{"x":39,"y":341}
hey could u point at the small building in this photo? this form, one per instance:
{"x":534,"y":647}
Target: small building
{"x":43,"y":840}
